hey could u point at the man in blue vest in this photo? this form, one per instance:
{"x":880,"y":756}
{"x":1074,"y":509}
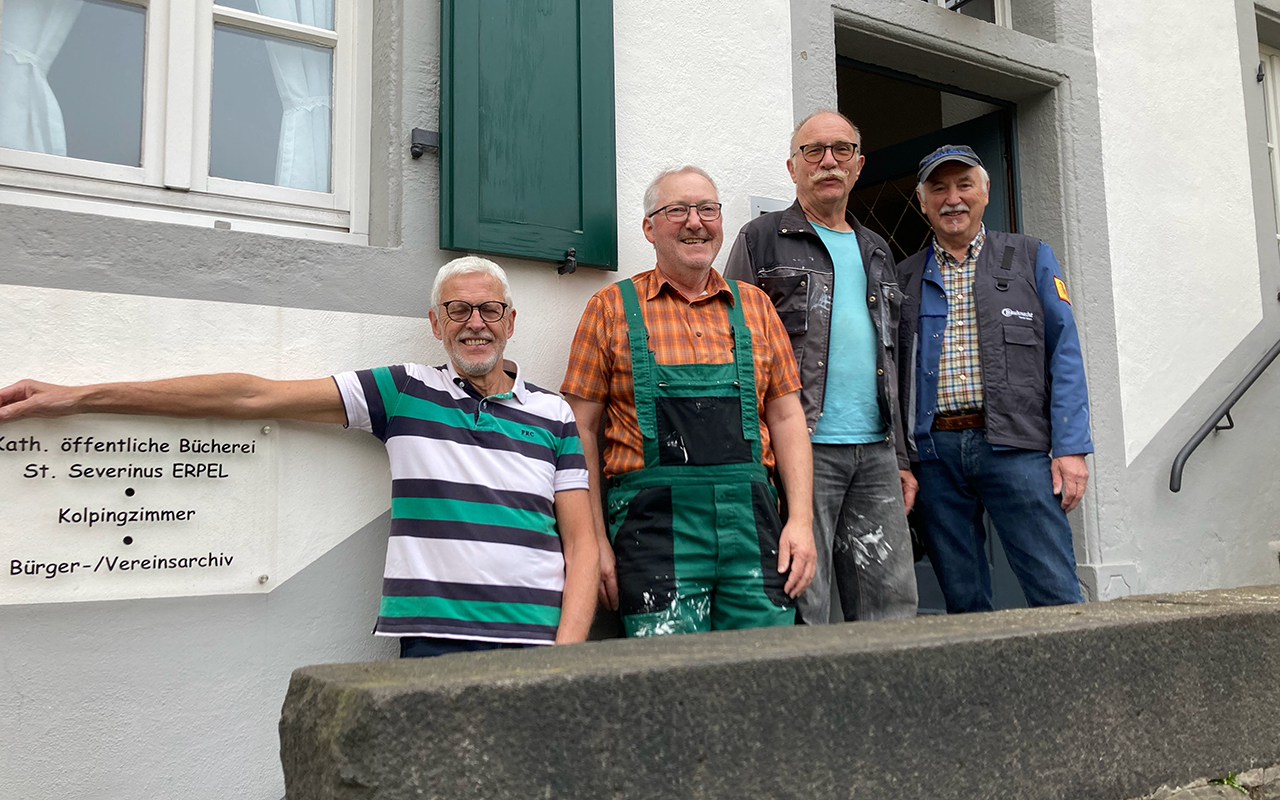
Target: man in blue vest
{"x":993,"y":388}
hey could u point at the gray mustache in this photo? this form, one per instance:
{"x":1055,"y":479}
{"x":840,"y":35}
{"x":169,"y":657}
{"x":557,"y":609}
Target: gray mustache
{"x":823,"y":174}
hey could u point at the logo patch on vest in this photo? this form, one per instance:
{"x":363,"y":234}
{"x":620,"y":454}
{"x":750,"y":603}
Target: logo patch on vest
{"x":1061,"y":286}
{"x":1009,"y":312}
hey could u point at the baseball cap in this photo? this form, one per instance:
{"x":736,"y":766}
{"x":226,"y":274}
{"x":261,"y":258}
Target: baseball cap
{"x":948,"y":152}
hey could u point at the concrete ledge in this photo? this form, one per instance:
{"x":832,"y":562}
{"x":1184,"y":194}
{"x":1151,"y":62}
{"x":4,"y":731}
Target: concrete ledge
{"x":1098,"y":702}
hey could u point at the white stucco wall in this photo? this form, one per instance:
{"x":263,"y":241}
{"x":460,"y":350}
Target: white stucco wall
{"x":711,"y":88}
{"x":1184,"y":258}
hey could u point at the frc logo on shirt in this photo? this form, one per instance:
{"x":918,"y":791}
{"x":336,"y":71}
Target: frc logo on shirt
{"x":1009,"y":312}
{"x":1061,"y":286}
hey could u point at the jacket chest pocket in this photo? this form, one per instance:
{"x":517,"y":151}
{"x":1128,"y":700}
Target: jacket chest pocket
{"x":1023,"y":356}
{"x":790,"y":296}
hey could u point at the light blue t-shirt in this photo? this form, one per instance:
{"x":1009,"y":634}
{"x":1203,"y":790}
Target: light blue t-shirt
{"x":850,"y":410}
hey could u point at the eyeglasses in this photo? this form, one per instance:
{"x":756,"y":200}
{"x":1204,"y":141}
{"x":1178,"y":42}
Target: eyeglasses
{"x":460,"y":310}
{"x":840,"y":151}
{"x":679,"y":212}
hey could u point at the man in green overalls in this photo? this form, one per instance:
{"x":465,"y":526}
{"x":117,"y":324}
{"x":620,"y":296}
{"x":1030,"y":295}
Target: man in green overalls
{"x":696,"y":386}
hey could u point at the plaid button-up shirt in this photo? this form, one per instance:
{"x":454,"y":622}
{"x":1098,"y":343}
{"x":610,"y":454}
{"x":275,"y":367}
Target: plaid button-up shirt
{"x":680,"y":332}
{"x":959,"y":369}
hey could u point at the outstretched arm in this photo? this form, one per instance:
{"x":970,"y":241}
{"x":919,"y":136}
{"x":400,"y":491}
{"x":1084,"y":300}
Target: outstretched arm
{"x":228,"y":395}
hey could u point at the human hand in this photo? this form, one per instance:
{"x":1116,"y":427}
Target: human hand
{"x":1070,"y":477}
{"x":797,"y":552}
{"x":608,"y":576}
{"x":28,"y":398}
{"x":909,"y":488}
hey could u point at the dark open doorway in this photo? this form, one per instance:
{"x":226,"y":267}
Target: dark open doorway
{"x":902,"y":119}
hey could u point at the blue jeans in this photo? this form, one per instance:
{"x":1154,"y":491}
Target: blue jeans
{"x":860,"y":530}
{"x":1016,"y":489}
{"x":427,"y":646}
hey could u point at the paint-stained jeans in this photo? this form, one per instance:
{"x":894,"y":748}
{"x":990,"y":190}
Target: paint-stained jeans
{"x":860,"y":529}
{"x":1016,"y":488}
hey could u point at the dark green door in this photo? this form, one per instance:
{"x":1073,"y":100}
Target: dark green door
{"x":884,"y":200}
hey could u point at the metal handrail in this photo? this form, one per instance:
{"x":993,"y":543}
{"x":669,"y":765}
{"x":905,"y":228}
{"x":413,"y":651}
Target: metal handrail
{"x":1224,"y":410}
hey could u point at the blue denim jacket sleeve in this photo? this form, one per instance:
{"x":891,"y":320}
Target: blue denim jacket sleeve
{"x":932,"y":325}
{"x":1068,"y":394}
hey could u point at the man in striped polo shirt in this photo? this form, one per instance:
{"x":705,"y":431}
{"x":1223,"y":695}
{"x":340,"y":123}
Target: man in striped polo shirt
{"x":491,"y":543}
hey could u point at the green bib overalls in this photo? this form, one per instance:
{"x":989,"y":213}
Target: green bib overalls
{"x":696,"y":530}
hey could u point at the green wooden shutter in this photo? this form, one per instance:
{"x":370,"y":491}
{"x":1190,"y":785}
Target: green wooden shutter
{"x":527,"y":135}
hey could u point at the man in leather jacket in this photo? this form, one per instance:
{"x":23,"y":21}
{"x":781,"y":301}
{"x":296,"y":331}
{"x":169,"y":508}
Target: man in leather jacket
{"x":833,"y":283}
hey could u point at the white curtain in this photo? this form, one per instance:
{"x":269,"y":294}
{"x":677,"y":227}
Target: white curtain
{"x":31,"y":34}
{"x":304,"y":79}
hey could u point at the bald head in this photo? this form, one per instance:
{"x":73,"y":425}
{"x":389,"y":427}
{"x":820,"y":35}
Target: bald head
{"x":824,"y":183}
{"x":824,"y":112}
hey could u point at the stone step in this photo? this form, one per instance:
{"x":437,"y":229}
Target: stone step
{"x":1100,"y":701}
{"x":1254,"y":784}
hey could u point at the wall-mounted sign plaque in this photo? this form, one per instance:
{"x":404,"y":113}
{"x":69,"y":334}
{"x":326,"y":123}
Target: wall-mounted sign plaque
{"x":109,"y":507}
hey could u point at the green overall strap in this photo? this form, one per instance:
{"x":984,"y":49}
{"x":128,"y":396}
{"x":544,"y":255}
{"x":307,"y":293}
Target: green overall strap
{"x":641,"y":367}
{"x":746,"y":371}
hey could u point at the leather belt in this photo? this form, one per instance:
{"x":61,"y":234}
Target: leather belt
{"x":960,"y":422}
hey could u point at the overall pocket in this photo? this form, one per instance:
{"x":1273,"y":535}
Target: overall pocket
{"x":643,"y":544}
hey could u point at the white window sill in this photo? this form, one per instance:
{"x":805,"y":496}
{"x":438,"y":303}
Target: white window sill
{"x":154,"y":204}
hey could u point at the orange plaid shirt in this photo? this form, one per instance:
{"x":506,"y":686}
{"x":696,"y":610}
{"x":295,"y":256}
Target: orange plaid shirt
{"x":680,"y":332}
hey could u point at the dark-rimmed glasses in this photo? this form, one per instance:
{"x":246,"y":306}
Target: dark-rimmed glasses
{"x":679,"y":212}
{"x":460,"y":310}
{"x":840,"y":151}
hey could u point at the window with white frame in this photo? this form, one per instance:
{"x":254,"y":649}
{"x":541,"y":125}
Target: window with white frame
{"x":1270,"y":72}
{"x":255,"y":112}
{"x":999,"y":12}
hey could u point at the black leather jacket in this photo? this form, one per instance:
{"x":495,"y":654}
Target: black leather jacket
{"x":783,"y":255}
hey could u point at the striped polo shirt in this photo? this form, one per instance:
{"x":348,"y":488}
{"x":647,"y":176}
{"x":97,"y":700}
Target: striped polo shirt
{"x":474,"y":552}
